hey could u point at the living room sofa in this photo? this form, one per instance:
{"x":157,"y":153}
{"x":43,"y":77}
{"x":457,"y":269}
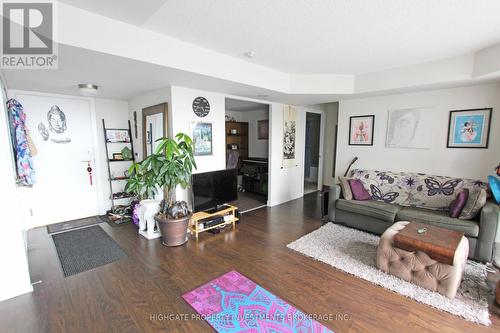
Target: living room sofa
{"x":416,"y":197}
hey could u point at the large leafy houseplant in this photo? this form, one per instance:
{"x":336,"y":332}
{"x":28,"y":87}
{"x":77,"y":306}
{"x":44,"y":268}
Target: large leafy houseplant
{"x":171,"y":165}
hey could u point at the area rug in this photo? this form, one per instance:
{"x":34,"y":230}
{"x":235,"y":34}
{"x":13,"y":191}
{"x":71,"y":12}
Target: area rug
{"x":84,"y":249}
{"x":234,"y":303}
{"x":354,"y":252}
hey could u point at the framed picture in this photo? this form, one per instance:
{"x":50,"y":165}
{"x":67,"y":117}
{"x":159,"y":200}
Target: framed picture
{"x":409,"y":128}
{"x":117,"y":156}
{"x":202,"y":138}
{"x":361,"y":130}
{"x":469,"y":128}
{"x":117,"y":135}
{"x":263,"y":129}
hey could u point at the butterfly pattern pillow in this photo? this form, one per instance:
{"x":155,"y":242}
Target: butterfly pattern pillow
{"x":414,"y":189}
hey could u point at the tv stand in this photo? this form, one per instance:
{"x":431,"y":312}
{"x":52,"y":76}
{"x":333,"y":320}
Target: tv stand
{"x":224,"y":210}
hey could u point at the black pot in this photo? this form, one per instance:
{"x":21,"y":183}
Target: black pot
{"x":173,"y":231}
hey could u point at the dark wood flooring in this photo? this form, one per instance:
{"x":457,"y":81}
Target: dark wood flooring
{"x":123,"y":296}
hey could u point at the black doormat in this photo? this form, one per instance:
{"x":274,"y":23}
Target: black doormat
{"x":84,"y":249}
{"x":73,"y":224}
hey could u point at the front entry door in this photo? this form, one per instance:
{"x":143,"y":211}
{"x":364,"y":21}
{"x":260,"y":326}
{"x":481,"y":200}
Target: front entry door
{"x":61,"y":129}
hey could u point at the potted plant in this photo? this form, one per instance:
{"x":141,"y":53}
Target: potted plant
{"x":168,"y":168}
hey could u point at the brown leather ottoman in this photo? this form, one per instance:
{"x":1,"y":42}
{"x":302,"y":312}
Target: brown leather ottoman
{"x":420,"y":266}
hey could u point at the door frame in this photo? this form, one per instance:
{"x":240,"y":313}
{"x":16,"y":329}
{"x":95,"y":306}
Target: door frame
{"x":321,"y":147}
{"x":98,"y":150}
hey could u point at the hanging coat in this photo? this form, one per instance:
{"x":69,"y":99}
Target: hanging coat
{"x":24,"y":162}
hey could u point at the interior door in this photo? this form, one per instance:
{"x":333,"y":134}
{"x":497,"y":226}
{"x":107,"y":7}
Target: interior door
{"x":61,"y":129}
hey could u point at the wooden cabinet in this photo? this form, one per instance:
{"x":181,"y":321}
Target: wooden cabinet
{"x":237,"y":137}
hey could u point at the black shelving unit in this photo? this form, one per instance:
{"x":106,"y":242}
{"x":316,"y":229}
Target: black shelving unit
{"x":112,"y":179}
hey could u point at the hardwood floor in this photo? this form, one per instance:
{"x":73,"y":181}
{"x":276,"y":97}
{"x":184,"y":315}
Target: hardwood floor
{"x":125,"y":295}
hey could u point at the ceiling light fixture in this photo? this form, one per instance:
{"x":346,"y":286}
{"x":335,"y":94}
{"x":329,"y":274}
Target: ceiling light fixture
{"x":250,"y":54}
{"x":88,"y":89}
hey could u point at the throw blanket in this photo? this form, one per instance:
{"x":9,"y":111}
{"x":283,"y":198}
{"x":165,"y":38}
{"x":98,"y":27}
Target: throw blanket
{"x":24,"y":162}
{"x":414,"y":189}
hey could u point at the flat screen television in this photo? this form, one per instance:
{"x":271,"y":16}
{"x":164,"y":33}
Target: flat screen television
{"x":215,"y":188}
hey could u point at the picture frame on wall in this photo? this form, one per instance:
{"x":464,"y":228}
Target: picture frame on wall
{"x":469,"y":128}
{"x":361,"y":130}
{"x":263,"y":129}
{"x":202,"y":138}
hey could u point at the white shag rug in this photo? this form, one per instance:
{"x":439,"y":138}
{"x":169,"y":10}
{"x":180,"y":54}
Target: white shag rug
{"x":355,"y":252}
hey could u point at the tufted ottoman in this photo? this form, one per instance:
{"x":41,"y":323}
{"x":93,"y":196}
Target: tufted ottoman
{"x":418,"y":267}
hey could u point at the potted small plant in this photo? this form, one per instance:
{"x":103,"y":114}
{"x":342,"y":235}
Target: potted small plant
{"x":168,"y":168}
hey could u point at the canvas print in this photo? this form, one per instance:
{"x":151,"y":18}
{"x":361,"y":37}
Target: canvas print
{"x":469,"y":128}
{"x":202,"y":138}
{"x":409,"y":128}
{"x":289,"y":132}
{"x":361,"y":130}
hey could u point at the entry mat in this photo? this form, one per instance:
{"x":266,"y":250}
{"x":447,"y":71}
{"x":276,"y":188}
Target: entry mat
{"x":234,"y":303}
{"x":83,"y":249}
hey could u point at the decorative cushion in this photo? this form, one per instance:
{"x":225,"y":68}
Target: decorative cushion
{"x":358,"y":190}
{"x":346,"y":188}
{"x":438,"y":218}
{"x":476,"y":201}
{"x":458,"y":204}
{"x":414,"y":189}
{"x":379,"y":210}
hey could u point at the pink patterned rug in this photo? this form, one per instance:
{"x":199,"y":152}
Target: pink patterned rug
{"x":234,"y":303}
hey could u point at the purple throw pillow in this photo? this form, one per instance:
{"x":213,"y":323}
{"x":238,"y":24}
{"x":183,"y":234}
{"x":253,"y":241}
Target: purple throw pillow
{"x":458,"y":204}
{"x":358,"y":190}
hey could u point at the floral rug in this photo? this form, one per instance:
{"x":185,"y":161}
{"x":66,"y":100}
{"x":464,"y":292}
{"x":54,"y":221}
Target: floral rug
{"x":234,"y":303}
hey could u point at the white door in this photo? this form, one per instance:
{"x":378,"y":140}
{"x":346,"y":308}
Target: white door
{"x":61,"y":128}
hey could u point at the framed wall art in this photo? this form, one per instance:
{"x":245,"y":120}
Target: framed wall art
{"x":263,"y":129}
{"x":361,"y":130}
{"x":409,"y":128}
{"x":469,"y":128}
{"x":202,"y":138}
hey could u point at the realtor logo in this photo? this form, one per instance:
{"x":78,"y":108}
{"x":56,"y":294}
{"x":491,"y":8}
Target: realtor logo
{"x":28,"y":35}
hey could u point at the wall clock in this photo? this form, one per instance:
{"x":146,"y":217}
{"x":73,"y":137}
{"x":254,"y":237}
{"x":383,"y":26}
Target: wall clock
{"x":201,"y":107}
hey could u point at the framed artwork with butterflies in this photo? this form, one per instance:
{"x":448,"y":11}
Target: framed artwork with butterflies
{"x":469,"y":128}
{"x":361,"y":130}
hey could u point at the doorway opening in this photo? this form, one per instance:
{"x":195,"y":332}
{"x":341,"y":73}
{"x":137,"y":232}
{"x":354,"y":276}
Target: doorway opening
{"x":312,"y":152}
{"x":247,"y":149}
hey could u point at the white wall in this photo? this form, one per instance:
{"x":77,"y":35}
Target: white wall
{"x":182,"y":116}
{"x":438,"y":160}
{"x":15,"y":278}
{"x":116,"y":115}
{"x":285,"y":184}
{"x":256,"y":147}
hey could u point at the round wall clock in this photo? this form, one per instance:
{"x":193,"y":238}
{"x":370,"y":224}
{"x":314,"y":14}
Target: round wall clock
{"x":201,"y":107}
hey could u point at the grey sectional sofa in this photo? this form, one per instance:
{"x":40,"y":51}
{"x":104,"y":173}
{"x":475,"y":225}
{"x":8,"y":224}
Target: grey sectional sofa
{"x":377,"y":216}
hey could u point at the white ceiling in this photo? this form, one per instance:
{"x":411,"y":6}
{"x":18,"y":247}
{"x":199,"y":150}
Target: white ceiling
{"x":242,"y":106}
{"x":124,"y":78}
{"x":320,"y":36}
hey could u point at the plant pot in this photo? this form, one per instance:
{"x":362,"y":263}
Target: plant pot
{"x":173,"y":231}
